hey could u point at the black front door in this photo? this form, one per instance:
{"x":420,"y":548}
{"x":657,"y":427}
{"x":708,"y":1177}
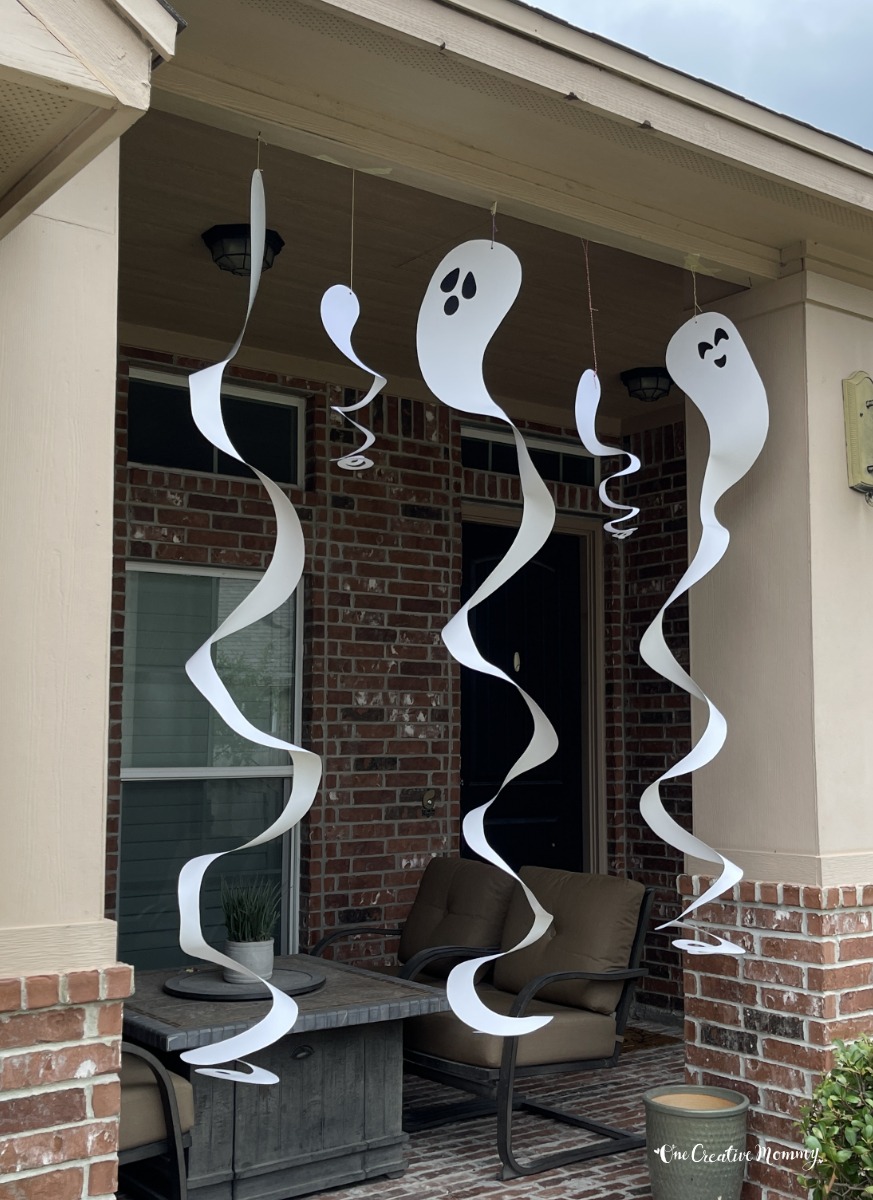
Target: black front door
{"x":535,"y":629}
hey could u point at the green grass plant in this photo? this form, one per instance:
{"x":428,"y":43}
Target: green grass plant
{"x":251,"y":909}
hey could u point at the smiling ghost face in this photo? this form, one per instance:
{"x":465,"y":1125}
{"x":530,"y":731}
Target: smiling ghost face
{"x":708,"y":359}
{"x":469,"y":294}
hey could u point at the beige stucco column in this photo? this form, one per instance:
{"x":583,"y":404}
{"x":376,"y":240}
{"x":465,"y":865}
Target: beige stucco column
{"x":58,"y":273}
{"x":780,"y":631}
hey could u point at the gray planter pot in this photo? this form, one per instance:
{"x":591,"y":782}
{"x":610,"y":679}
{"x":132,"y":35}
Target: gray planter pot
{"x":696,"y":1142}
{"x":257,"y":956}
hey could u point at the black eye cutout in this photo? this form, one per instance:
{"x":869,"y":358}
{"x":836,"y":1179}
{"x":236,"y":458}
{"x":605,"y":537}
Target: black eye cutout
{"x":451,"y":280}
{"x":720,"y":336}
{"x":451,"y":306}
{"x":468,"y":288}
{"x":702,"y":348}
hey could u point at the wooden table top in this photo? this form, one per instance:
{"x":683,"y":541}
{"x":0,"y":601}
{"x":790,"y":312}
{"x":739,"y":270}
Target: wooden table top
{"x":350,"y":996}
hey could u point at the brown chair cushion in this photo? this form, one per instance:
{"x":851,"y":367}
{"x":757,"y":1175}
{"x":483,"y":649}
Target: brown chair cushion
{"x":460,"y":902}
{"x":595,"y":919}
{"x":571,"y":1035}
{"x":142,"y":1117}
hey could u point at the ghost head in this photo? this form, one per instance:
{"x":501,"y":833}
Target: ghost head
{"x":469,"y":294}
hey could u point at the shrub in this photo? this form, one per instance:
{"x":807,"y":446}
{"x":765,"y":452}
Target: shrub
{"x":838,"y":1126}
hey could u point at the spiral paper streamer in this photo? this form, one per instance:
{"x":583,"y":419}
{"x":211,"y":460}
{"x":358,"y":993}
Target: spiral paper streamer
{"x":587,"y":402}
{"x":709,"y":361}
{"x":339,"y":314}
{"x":470,"y":293}
{"x":274,"y":589}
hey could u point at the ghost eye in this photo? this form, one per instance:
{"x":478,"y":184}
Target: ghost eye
{"x":702,"y":348}
{"x":720,"y":336}
{"x":451,"y":280}
{"x":451,"y":306}
{"x":468,"y":288}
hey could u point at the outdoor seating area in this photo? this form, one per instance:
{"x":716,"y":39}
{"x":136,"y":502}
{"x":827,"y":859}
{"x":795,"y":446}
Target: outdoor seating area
{"x":458,"y":1161}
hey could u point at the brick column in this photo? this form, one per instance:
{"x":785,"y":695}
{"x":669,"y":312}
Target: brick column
{"x":60,"y":1051}
{"x":764,"y":1023}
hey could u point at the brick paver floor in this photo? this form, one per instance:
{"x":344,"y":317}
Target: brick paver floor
{"x":459,"y":1162}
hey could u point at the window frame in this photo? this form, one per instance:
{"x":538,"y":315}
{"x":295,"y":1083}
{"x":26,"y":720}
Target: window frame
{"x":284,"y":398}
{"x":289,"y":924}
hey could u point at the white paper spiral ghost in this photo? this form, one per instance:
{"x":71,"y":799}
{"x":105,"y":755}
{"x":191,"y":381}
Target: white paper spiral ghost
{"x":709,"y":361}
{"x":468,"y":296}
{"x":273,"y":590}
{"x":340,"y":310}
{"x":587,"y":403}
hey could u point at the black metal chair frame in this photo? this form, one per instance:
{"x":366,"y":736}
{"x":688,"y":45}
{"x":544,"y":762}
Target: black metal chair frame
{"x":497,"y":1084}
{"x":176,"y":1144}
{"x":418,"y":963}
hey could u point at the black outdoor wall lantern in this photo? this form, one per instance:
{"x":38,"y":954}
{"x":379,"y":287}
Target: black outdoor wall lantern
{"x":231,"y":247}
{"x":647,"y":383}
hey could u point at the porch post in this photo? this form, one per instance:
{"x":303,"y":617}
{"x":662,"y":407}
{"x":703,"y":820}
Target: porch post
{"x":779,"y":637}
{"x":60,"y":987}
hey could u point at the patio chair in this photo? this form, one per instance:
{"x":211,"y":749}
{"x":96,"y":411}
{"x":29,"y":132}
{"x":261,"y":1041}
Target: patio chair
{"x":582,"y":972}
{"x":460,"y":910}
{"x":157,"y":1114}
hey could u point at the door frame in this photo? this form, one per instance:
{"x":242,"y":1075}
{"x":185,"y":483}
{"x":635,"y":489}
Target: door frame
{"x":589,"y":530}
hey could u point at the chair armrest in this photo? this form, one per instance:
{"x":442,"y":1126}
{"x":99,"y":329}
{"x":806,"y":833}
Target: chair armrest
{"x":415,"y":965}
{"x":368,"y":928}
{"x":530,"y":989}
{"x":166,"y":1092}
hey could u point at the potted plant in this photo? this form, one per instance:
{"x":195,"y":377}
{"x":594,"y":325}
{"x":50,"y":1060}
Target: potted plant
{"x":696,"y":1139}
{"x":837,"y":1128}
{"x":251,"y":910}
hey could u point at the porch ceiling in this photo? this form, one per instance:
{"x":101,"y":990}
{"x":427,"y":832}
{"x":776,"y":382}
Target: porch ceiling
{"x":179,"y":178}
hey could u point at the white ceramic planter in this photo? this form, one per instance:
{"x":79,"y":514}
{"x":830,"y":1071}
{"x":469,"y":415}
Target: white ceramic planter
{"x":257,"y":956}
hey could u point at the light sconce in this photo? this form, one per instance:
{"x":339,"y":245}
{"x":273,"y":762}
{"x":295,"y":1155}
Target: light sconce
{"x":647,"y":383}
{"x":231,"y":247}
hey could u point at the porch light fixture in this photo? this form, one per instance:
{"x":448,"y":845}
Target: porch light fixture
{"x":647,"y":383}
{"x":231,"y":247}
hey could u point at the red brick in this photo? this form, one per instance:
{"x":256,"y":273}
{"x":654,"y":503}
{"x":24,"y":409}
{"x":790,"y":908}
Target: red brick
{"x":10,"y":995}
{"x":68,"y":1184}
{"x":103,"y":1177}
{"x":109,"y":1018}
{"x":119,"y":982}
{"x":835,"y":979}
{"x":42,"y":990}
{"x":106,"y":1099}
{"x":810,"y":1058}
{"x":51,"y":1025}
{"x":765,"y":971}
{"x":51,"y":1066}
{"x":857,"y":1001}
{"x":798,"y":950}
{"x":42,"y":1110}
{"x":83,"y":986}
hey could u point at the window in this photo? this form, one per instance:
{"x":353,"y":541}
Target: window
{"x":190,"y":785}
{"x":264,"y":426}
{"x":487,"y":449}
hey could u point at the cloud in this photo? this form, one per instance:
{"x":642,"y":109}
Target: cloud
{"x":794,"y":56}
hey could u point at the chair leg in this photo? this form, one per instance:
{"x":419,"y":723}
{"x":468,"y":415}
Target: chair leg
{"x":614,"y":1141}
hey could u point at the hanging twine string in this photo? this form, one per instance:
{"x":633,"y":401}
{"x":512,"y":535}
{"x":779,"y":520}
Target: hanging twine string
{"x":259,"y":140}
{"x":697,"y":307}
{"x":352,"y":238}
{"x":493,"y":223}
{"x":591,"y":309}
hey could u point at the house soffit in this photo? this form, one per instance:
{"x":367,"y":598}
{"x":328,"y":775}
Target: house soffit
{"x":74,"y":74}
{"x":335,"y":84}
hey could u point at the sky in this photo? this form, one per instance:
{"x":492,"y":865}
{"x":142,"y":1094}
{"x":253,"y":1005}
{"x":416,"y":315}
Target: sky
{"x":809,"y":59}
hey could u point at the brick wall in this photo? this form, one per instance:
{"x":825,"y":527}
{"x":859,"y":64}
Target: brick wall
{"x":652,"y":718}
{"x":381,"y":694}
{"x":60,"y":1051}
{"x":763,"y":1023}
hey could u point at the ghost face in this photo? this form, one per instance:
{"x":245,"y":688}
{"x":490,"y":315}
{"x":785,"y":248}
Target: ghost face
{"x":709,"y":361}
{"x":469,"y":294}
